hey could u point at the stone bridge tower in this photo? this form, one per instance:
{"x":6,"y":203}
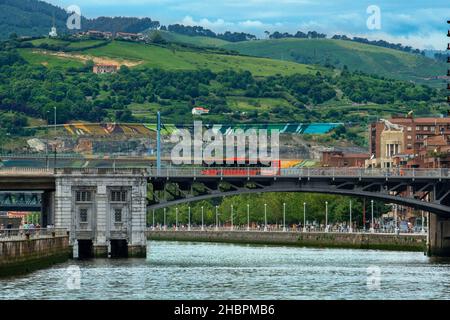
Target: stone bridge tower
{"x":104,"y":209}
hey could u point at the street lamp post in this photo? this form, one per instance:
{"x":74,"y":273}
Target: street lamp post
{"x":55,"y":120}
{"x":176,"y":219}
{"x":304,"y":216}
{"x":396,"y":229}
{"x":350,"y":228}
{"x":248,"y":217}
{"x":165,"y":225}
{"x":284,"y":217}
{"x":372,"y":227}
{"x":217,"y":218}
{"x":189,"y":219}
{"x":423,"y":223}
{"x":153,"y":224}
{"x":231,"y":227}
{"x":326,"y":216}
{"x":265,"y":217}
{"x":203,"y":224}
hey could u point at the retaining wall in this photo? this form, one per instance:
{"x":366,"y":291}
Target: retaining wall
{"x":22,"y":256}
{"x":322,"y":240}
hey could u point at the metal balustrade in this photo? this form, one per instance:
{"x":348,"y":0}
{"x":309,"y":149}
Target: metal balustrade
{"x":192,"y":172}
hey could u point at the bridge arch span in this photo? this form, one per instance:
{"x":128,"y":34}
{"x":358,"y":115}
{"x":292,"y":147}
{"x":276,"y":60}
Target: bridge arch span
{"x":322,"y":187}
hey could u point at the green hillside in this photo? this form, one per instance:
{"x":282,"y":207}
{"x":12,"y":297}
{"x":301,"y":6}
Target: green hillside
{"x":197,"y":41}
{"x":173,"y":57}
{"x":356,"y":56}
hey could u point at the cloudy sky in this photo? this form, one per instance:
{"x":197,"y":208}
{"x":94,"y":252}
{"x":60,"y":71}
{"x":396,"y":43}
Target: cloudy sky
{"x":419,"y":23}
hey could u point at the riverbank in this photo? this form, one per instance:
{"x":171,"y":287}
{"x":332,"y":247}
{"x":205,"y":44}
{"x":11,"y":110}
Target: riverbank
{"x":413,"y":242}
{"x":27,"y":255}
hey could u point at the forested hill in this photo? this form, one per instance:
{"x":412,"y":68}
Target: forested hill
{"x":35,"y":18}
{"x":356,"y":56}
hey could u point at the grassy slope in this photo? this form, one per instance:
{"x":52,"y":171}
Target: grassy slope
{"x":198,"y":41}
{"x":357,"y":56}
{"x":183,"y":59}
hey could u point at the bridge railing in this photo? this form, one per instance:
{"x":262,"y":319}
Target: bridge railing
{"x":30,"y":233}
{"x":296,"y":172}
{"x":23,"y":170}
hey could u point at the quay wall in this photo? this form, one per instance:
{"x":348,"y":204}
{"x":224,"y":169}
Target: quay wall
{"x":27,"y":255}
{"x":320,"y":240}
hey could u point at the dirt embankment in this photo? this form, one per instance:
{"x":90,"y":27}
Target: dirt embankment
{"x":97,"y":60}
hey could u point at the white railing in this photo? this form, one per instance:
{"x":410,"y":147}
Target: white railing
{"x":23,"y":170}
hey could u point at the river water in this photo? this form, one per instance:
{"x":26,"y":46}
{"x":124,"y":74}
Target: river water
{"x":177,"y":270}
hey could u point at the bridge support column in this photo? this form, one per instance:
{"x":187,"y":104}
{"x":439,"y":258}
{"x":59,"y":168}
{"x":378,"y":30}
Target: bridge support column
{"x":48,"y":209}
{"x":439,"y":236}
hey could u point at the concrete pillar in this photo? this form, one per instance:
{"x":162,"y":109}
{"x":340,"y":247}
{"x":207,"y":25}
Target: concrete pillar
{"x":48,"y":209}
{"x":439,"y":236}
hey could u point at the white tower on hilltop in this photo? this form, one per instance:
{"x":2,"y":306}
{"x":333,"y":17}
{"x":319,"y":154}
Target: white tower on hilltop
{"x":53,"y":33}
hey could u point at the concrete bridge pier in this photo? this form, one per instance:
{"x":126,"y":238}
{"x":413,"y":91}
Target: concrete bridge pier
{"x":48,"y":208}
{"x":439,"y":236}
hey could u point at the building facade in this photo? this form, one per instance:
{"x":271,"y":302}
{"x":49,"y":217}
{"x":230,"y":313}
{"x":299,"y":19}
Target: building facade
{"x":407,"y":141}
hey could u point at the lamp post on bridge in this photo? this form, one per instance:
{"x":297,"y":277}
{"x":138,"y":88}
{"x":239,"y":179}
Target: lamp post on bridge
{"x":265,"y":216}
{"x":284,"y":217}
{"x":176,"y":219}
{"x":326,"y":216}
{"x":372,"y":227}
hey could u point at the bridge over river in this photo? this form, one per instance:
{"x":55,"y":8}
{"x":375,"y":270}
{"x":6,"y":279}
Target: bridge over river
{"x":105,"y":208}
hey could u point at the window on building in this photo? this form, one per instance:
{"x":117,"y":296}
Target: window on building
{"x":418,"y":128}
{"x":409,"y":146}
{"x":409,"y":137}
{"x":84,"y":196}
{"x":409,"y":129}
{"x":118,"y":215}
{"x":83,"y":215}
{"x":432,"y":128}
{"x":118,"y":196}
{"x":425,"y":128}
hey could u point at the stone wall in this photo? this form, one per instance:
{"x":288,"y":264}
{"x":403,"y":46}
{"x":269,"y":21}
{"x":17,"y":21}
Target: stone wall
{"x":325,"y":240}
{"x":22,"y":256}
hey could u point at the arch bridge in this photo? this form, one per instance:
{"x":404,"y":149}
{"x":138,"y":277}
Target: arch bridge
{"x":421,"y":189}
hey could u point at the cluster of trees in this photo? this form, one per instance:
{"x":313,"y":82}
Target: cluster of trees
{"x":299,"y":35}
{"x":78,"y":94}
{"x":120,"y":24}
{"x":338,"y":210}
{"x":380,"y":43}
{"x":34,"y":18}
{"x":13,"y":123}
{"x":200,"y":31}
{"x":444,"y":57}
{"x":360,"y":88}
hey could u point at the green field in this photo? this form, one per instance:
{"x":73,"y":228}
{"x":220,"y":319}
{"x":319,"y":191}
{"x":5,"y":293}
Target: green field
{"x":176,"y":58}
{"x":197,"y":41}
{"x":356,"y":56}
{"x":34,"y":57}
